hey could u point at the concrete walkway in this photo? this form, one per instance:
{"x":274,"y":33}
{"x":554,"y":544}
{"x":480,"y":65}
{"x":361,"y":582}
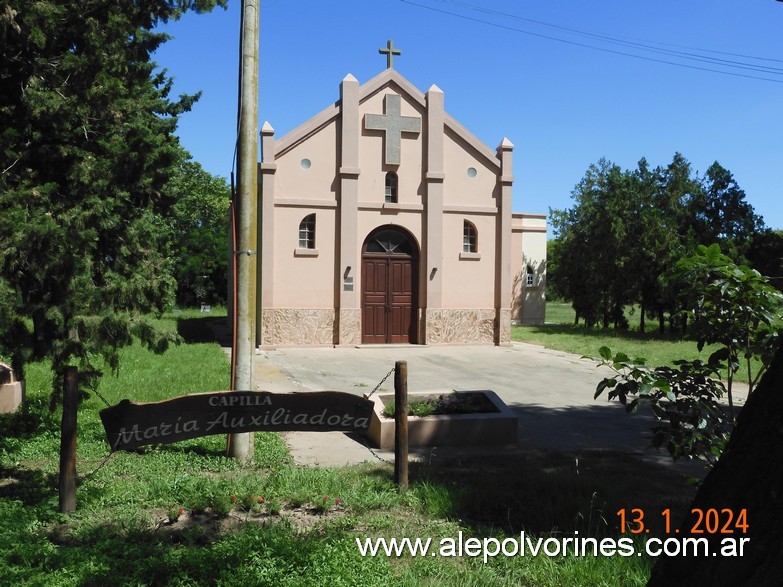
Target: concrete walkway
{"x":550,"y":391}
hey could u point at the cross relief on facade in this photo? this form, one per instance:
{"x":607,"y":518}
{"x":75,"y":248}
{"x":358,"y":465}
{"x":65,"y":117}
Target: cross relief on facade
{"x":393,"y":125}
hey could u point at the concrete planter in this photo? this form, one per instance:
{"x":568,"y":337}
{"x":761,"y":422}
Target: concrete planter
{"x":11,"y":393}
{"x":495,"y":428}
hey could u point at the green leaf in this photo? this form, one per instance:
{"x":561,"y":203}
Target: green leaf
{"x":659,"y":412}
{"x":600,"y":388}
{"x":662,"y":384}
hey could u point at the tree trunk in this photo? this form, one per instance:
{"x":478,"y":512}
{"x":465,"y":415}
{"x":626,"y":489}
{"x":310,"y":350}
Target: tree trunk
{"x":749,"y":476}
{"x":641,"y":319}
{"x":661,"y":322}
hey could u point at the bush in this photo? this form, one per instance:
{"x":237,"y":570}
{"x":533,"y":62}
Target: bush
{"x":685,"y":398}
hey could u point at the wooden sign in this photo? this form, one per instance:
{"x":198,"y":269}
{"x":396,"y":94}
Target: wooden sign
{"x":129,"y":425}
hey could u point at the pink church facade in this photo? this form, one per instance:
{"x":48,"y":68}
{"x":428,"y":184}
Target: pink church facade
{"x":382,"y":220}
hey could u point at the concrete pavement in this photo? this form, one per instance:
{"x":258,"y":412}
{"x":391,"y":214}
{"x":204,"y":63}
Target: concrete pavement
{"x":550,"y":391}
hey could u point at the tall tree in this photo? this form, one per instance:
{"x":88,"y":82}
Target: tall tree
{"x":722,"y":214}
{"x":554,"y":289}
{"x":87,"y":148}
{"x":596,"y":254}
{"x":674,"y":230}
{"x":587,"y":244}
{"x":627,"y":229}
{"x":765,"y":254}
{"x":200,"y":245}
{"x":653,"y":243}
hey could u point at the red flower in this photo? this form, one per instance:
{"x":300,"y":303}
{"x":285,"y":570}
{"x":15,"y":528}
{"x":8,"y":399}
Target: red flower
{"x":181,"y":511}
{"x":260,"y":499}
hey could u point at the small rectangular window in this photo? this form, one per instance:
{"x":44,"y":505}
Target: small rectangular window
{"x":391,"y":188}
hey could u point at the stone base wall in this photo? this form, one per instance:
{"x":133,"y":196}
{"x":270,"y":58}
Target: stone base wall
{"x":504,"y":327}
{"x":350,"y":326}
{"x":460,"y":326}
{"x":317,"y":327}
{"x":297,"y":326}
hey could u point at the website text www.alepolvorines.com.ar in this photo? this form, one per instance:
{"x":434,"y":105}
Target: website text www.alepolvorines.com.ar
{"x":488,"y":548}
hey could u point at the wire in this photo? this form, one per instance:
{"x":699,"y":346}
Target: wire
{"x":233,"y":227}
{"x":625,"y":54}
{"x":239,"y":89}
{"x":629,"y":40}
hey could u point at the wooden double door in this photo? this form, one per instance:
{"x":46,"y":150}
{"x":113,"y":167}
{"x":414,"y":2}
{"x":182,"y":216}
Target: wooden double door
{"x":389,"y":293}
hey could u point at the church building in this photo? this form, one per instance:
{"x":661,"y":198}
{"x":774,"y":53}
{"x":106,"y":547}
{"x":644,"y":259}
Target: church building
{"x":382,"y":220}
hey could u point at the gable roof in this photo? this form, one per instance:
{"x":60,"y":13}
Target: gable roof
{"x":387,"y":78}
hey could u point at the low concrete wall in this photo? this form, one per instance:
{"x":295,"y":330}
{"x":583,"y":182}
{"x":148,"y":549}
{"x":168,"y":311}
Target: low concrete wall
{"x":496,"y":428}
{"x":11,"y":396}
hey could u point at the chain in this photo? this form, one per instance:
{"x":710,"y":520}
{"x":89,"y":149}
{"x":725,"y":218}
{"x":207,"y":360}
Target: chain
{"x":366,"y":443}
{"x":103,"y":398}
{"x":380,"y":383}
{"x":84,"y":478}
{"x":364,"y":440}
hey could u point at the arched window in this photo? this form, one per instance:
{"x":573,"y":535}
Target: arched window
{"x":390,"y":241}
{"x":391,"y":188}
{"x":307,"y":232}
{"x":469,"y":238}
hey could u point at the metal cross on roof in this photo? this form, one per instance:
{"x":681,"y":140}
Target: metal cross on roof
{"x":390,"y":52}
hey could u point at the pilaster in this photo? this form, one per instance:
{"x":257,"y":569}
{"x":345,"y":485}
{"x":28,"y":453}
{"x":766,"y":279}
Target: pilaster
{"x":266,"y":223}
{"x":434,"y":177}
{"x":503,"y":267}
{"x":348,"y":209}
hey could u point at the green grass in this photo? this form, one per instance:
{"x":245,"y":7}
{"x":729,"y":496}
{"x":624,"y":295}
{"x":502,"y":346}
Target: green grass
{"x":560,"y":333}
{"x":298,"y":534}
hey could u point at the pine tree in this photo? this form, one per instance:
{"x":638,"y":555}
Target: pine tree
{"x":86,"y":149}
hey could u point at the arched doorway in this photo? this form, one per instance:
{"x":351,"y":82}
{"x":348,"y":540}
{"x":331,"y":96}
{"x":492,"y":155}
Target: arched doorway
{"x":390,"y":279}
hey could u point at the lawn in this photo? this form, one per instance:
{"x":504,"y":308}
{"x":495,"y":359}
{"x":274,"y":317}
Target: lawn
{"x":274,"y":523}
{"x":560,"y":333}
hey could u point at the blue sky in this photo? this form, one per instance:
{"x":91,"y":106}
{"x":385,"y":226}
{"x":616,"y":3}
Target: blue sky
{"x":563,"y":89}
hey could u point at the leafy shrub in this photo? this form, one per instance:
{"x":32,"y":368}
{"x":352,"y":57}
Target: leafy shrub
{"x":685,"y":398}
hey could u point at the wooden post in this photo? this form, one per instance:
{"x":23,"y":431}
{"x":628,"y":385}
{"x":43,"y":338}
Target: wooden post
{"x":68,"y":441}
{"x":401,"y":424}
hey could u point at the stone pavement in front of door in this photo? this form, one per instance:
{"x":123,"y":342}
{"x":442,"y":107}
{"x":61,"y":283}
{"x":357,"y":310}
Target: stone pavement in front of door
{"x":550,"y":391}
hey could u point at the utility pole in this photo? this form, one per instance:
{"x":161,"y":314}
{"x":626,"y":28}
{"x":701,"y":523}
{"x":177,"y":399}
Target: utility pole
{"x":240,"y":446}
